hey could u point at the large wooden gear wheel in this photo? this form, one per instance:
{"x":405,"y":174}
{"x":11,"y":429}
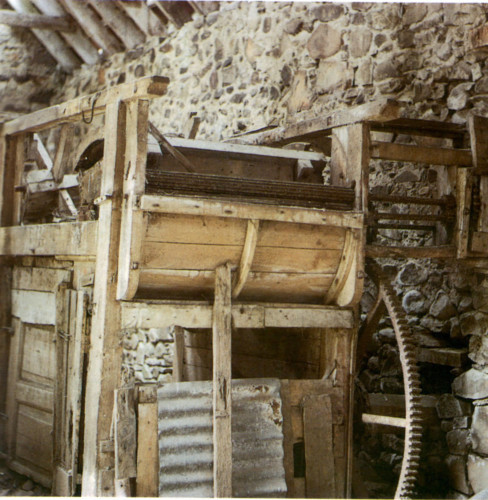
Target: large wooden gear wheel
{"x":388,"y":302}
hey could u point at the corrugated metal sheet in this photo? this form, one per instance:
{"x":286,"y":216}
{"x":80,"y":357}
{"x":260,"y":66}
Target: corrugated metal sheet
{"x":185,"y":439}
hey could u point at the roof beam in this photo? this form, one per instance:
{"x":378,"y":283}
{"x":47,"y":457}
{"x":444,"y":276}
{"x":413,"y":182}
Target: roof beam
{"x":144,"y":17}
{"x":78,"y":41}
{"x":51,"y":40}
{"x":177,"y":12}
{"x":93,"y":26}
{"x":122,"y":26}
{"x":39,"y":21}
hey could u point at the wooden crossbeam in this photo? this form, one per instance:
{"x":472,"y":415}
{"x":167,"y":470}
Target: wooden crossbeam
{"x":368,"y":418}
{"x":57,"y":23}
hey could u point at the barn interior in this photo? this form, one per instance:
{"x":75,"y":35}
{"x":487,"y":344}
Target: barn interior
{"x":243,"y":248}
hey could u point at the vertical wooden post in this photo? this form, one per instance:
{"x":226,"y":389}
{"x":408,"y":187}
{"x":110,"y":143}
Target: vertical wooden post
{"x":11,"y":169}
{"x":222,"y":381}
{"x":105,"y":349}
{"x":179,"y":350}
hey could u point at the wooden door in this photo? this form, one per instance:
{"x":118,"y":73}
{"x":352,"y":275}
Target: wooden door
{"x":38,"y":299}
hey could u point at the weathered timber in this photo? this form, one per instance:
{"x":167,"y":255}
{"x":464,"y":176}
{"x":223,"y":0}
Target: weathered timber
{"x":147,"y":481}
{"x":27,"y":20}
{"x":199,"y":315}
{"x":464,"y":188}
{"x":448,"y":356}
{"x":67,"y":238}
{"x":368,"y":418}
{"x":179,"y":352}
{"x":437,"y":252}
{"x":200,"y":206}
{"x":60,"y":164}
{"x":125,"y":428}
{"x":420,"y":154}
{"x":74,"y":110}
{"x":222,"y":382}
{"x":413,"y":200}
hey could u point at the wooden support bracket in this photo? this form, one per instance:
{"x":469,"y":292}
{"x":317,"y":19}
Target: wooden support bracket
{"x":246,"y":257}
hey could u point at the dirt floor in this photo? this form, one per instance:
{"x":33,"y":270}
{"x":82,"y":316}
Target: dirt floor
{"x":13,"y":484}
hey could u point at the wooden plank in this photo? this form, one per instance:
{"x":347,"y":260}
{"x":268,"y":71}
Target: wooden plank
{"x":272,"y":287}
{"x":319,"y":452}
{"x":58,"y":23}
{"x":369,"y":418}
{"x":230,"y":151}
{"x":176,"y":228}
{"x":288,"y":439}
{"x":67,"y":238}
{"x":133,"y":225}
{"x":147,"y":481}
{"x":421,"y":154}
{"x":50,"y":39}
{"x":104,"y":370}
{"x":125,"y":434}
{"x":201,"y":206}
{"x":478,"y":131}
{"x":198,"y":315}
{"x":247,"y":257}
{"x":179,"y":351}
{"x":93,"y":26}
{"x":479,"y":242}
{"x":379,"y":111}
{"x":447,"y":356}
{"x":270,"y":259}
{"x":74,"y":110}
{"x":440,"y":252}
{"x":222,"y":382}
{"x":80,"y":43}
{"x":41,"y":308}
{"x":120,"y":24}
{"x":18,"y":145}
{"x":5,"y":334}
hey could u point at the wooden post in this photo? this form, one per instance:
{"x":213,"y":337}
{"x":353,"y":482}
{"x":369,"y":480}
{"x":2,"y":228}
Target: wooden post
{"x":222,"y":381}
{"x":179,"y":350}
{"x":105,"y":349}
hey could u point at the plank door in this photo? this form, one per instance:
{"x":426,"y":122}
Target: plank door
{"x":38,"y":299}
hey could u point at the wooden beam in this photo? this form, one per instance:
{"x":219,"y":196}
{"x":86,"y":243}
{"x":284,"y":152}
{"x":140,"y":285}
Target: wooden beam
{"x":447,"y":356}
{"x":178,"y":356}
{"x":77,"y":40}
{"x":478,"y":132}
{"x":56,"y":23}
{"x":246,"y":257}
{"x":125,"y":438}
{"x":464,"y":190}
{"x":420,"y":154}
{"x":368,"y":418}
{"x":146,"y":20}
{"x":177,"y":12}
{"x":93,"y":26}
{"x":438,"y":252}
{"x":54,"y":44}
{"x":199,"y":315}
{"x":134,"y":222}
{"x":67,"y":238}
{"x":242,"y":210}
{"x":76,"y":109}
{"x":63,"y":150}
{"x":121,"y":25}
{"x":379,"y":111}
{"x":222,"y":383}
{"x":104,"y":369}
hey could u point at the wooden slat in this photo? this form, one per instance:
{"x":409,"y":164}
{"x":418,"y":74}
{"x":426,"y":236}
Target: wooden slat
{"x":75,"y":38}
{"x":205,"y":207}
{"x":74,"y":110}
{"x":54,"y":44}
{"x":143,"y":17}
{"x":266,"y":259}
{"x":464,"y":189}
{"x":133,"y":222}
{"x":222,"y":382}
{"x":38,"y":279}
{"x":57,"y":23}
{"x":67,"y":238}
{"x":319,"y":452}
{"x":121,"y":25}
{"x":147,"y":481}
{"x":199,"y":315}
{"x":93,"y":26}
{"x":420,"y":154}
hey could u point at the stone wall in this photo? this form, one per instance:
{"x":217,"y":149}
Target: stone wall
{"x":253,"y":65}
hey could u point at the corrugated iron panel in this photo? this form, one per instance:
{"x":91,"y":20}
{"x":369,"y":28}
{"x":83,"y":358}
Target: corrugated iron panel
{"x":185,"y":439}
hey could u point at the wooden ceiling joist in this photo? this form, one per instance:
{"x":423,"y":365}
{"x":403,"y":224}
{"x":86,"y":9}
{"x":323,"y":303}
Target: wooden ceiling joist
{"x":177,"y":12}
{"x":93,"y":26}
{"x":78,"y":41}
{"x":144,"y":17}
{"x":50,"y":39}
{"x":40,"y":21}
{"x":119,"y":23}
